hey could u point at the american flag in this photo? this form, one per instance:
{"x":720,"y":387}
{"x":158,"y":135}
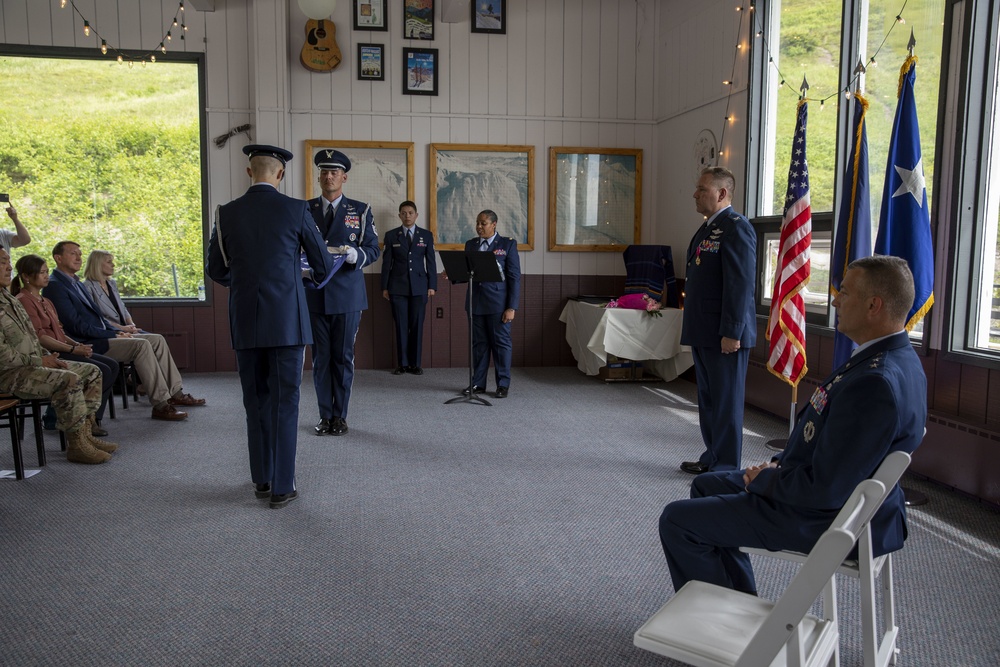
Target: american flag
{"x":786,"y":326}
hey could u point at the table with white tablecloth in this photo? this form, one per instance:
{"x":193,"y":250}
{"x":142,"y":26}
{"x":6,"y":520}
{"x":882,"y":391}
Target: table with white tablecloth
{"x":593,"y":332}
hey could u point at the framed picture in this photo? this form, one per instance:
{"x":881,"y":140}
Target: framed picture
{"x":595,"y":198}
{"x":469,"y":178}
{"x":370,"y":15}
{"x":420,"y":69}
{"x":489,"y":16}
{"x":381,"y":174}
{"x":371,"y":62}
{"x":418,"y":19}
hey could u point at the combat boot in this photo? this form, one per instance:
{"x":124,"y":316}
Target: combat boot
{"x":102,"y":445}
{"x":80,"y":450}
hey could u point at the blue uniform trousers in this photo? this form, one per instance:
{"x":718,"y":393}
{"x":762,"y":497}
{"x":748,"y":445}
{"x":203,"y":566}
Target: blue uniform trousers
{"x":270,"y":377}
{"x":408,"y":316}
{"x":491,"y":336}
{"x":722,"y":381}
{"x":333,"y":361}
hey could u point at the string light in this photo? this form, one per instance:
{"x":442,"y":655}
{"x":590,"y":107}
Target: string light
{"x":119,"y":55}
{"x":900,"y":19}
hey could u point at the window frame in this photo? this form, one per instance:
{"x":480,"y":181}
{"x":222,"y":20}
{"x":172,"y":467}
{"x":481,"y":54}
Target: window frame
{"x":196,"y":58}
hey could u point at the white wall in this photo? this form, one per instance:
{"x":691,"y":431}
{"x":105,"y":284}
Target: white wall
{"x":691,"y":97}
{"x":567,"y":73}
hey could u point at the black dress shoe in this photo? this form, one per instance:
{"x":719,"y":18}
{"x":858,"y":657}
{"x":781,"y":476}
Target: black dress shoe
{"x":474,"y":389}
{"x":399,"y":370}
{"x":97,"y":431}
{"x":279,"y":501}
{"x":415,"y":370}
{"x":502,"y":392}
{"x":262,"y":490}
{"x":338,"y":426}
{"x":694,"y":467}
{"x":323,"y":427}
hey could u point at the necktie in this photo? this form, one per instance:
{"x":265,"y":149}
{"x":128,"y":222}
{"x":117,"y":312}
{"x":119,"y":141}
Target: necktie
{"x":327,"y":219}
{"x":409,"y":237}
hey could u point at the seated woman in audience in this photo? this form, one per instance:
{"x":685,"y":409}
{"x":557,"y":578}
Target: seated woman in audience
{"x":102,"y":288}
{"x":31,"y":275}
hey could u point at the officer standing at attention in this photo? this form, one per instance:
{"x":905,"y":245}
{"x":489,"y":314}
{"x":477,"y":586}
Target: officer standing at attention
{"x":720,"y":318}
{"x":494,"y":305}
{"x":255,"y":252}
{"x":348,"y":227}
{"x":409,"y":276}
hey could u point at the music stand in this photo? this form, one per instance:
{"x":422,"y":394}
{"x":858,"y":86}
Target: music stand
{"x":471,"y":266}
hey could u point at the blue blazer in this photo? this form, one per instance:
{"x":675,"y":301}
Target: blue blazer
{"x":494,"y":298}
{"x":260,"y":234}
{"x":719,"y":286}
{"x":80,"y":317}
{"x":874,"y":404}
{"x":354,"y":225}
{"x":408,"y":269}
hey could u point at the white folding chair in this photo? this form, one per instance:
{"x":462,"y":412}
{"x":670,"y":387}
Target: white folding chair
{"x":711,"y":626}
{"x":877,"y":652}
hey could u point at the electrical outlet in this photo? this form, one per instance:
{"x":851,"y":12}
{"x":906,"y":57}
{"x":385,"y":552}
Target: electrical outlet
{"x":440,"y":313}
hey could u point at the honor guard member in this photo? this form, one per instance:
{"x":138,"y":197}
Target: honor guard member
{"x":255,"y":252}
{"x":720,"y":318}
{"x":348,"y":227}
{"x":409,"y":276}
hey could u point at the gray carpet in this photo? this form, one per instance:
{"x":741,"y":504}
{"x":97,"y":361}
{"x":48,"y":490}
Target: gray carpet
{"x":432,"y":534}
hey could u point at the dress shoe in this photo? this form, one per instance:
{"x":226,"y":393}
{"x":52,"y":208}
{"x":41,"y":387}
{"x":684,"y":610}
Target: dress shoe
{"x":186,"y":400}
{"x":279,"y":501}
{"x":169,"y":413}
{"x":399,"y":370}
{"x":694,"y":467}
{"x":97,"y":431}
{"x":323,"y":427}
{"x":474,"y":389}
{"x":415,"y":370}
{"x":502,"y":392}
{"x":339,"y":426}
{"x":262,"y":491}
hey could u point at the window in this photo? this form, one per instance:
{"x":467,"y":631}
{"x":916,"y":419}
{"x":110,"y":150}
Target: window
{"x":109,"y":156}
{"x":824,"y":41}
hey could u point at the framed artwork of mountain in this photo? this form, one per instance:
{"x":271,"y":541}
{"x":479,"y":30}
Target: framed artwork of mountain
{"x":595,"y":198}
{"x":469,"y":178}
{"x":489,"y":16}
{"x":418,"y":19}
{"x":381,"y":174}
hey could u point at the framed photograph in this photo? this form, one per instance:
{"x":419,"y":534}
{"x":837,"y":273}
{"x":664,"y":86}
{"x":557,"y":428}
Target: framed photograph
{"x":371,"y":62}
{"x":418,"y":19}
{"x":595,"y":198}
{"x":489,"y":16}
{"x":381,"y":174}
{"x":420,"y":71}
{"x":370,"y":15}
{"x":469,"y":178}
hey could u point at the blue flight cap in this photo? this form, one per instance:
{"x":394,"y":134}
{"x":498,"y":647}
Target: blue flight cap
{"x":329,"y":158}
{"x":280,"y":154}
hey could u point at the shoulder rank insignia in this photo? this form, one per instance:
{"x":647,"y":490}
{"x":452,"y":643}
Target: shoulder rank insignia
{"x":876,"y":360}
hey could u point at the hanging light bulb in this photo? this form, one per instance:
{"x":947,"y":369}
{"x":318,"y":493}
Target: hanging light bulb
{"x":182,"y":6}
{"x":86,"y":28}
{"x":104,"y":47}
{"x":120,"y":59}
{"x":152,"y":58}
{"x":62,"y":4}
{"x":163,"y":48}
{"x":184,"y":27}
{"x":175,"y":20}
{"x":847,"y":94}
{"x":168,"y":36}
{"x":900,"y":19}
{"x":130,"y":63}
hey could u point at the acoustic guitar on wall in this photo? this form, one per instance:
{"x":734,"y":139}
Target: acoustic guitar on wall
{"x":320,"y":52}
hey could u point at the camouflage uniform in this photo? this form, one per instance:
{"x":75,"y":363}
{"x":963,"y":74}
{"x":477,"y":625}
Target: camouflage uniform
{"x":75,"y":392}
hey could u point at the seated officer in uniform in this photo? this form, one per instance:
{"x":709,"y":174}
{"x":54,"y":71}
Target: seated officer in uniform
{"x":28,"y":371}
{"x":871,"y":406}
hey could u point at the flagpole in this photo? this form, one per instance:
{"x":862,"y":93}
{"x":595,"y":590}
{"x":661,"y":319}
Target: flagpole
{"x":778,"y":444}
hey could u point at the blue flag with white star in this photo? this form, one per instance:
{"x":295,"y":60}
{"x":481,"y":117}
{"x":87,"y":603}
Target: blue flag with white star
{"x":854,"y":225}
{"x":904,"y":227}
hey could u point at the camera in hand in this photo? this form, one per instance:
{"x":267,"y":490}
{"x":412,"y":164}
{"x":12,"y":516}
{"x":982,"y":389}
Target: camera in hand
{"x":4,"y":197}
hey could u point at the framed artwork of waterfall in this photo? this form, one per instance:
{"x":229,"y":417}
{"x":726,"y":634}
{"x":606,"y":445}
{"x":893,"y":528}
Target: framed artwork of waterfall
{"x":381,"y":174}
{"x":469,"y":178}
{"x":595,"y":198}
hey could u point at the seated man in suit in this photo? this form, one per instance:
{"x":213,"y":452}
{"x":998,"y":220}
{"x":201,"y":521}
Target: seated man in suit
{"x":82,"y":321}
{"x":28,"y":371}
{"x":874,"y":404}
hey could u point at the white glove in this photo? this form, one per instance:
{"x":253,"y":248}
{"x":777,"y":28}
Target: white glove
{"x":352,"y":255}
